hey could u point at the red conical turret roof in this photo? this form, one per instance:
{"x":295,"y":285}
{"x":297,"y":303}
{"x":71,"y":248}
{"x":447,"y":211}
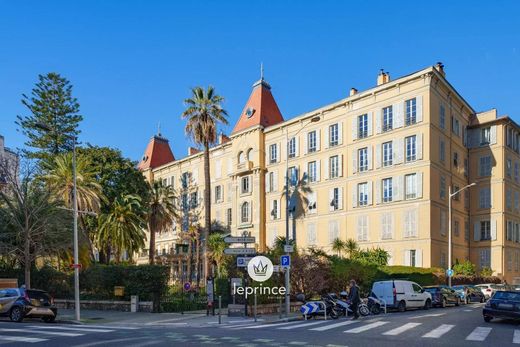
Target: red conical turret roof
{"x":157,"y":153}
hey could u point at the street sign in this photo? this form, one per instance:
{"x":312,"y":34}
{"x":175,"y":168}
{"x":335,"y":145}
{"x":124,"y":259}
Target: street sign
{"x":277,"y":268}
{"x":242,"y":261}
{"x":239,"y":239}
{"x":187,"y":286}
{"x":285,"y":261}
{"x":75,"y":266}
{"x":236,"y":282}
{"x":288,"y":248}
{"x":238,"y":251}
{"x":449,"y":272}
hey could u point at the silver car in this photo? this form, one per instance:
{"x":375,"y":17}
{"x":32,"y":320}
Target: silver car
{"x":20,"y":303}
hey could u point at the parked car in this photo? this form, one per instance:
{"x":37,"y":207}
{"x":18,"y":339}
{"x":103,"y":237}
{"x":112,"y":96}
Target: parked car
{"x":402,"y":294}
{"x":469,"y":293}
{"x":20,"y":303}
{"x":488,"y":289}
{"x":443,"y":295}
{"x":503,"y":304}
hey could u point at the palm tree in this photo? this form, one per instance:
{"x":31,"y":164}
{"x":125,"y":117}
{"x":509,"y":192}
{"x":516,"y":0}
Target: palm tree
{"x":351,"y":247}
{"x":216,"y":246}
{"x":161,"y":213}
{"x":338,"y":245}
{"x":203,"y":114}
{"x":122,"y":227}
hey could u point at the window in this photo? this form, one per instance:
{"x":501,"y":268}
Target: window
{"x":311,"y":234}
{"x":333,"y":135}
{"x":387,"y":153}
{"x":444,"y":222}
{"x":293,"y":176}
{"x":517,"y":200}
{"x":485,"y":230}
{"x":291,"y":148}
{"x":334,"y":167}
{"x":509,"y":168}
{"x":229,"y":216}
{"x":333,"y":230}
{"x":271,"y":182}
{"x":456,"y":228}
{"x":311,"y":142}
{"x":386,"y":226}
{"x":442,"y":117}
{"x":413,"y":257}
{"x":442,"y":150}
{"x":185,"y":202}
{"x":456,"y":159}
{"x":466,"y":167}
{"x":362,"y":126}
{"x":410,"y":186}
{"x":485,"y":136}
{"x":466,"y":231}
{"x":194,"y":200}
{"x":363,"y":194}
{"x":185,"y":179}
{"x":250,"y":154}
{"x":517,"y":172}
{"x":362,"y":228}
{"x":485,"y":197}
{"x":485,"y":166}
{"x":273,"y":153}
{"x":244,"y":212}
{"x":241,"y":158}
{"x":218,"y":193}
{"x":410,"y":223}
{"x":456,"y":197}
{"x":509,"y":199}
{"x":274,"y":212}
{"x":311,"y":172}
{"x":387,"y":118}
{"x":335,"y":199}
{"x":509,"y":231}
{"x":411,"y":111}
{"x":485,"y":258}
{"x":387,"y":190}
{"x":363,"y":159}
{"x":455,"y":127}
{"x":245,"y":185}
{"x":411,"y":148}
{"x":443,"y":260}
{"x":466,"y":199}
{"x":442,"y":188}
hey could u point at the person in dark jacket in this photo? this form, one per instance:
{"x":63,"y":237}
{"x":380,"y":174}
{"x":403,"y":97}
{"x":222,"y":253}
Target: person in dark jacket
{"x":355,"y":299}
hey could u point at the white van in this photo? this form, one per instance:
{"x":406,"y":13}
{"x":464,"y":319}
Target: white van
{"x":402,"y":294}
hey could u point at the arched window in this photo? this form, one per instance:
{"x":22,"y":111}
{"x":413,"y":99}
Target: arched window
{"x":241,"y":158}
{"x":244,"y":218}
{"x":250,"y":154}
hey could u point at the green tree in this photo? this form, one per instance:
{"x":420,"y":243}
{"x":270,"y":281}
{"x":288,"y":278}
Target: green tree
{"x":351,"y":247}
{"x":338,"y":245}
{"x":466,"y":268}
{"x":216,"y":246}
{"x":161,"y":213}
{"x":121,"y":229}
{"x":203,"y":114}
{"x":52,"y":104}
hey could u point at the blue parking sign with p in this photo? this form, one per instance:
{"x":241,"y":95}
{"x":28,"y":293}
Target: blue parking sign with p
{"x":449,"y":272}
{"x":285,"y":261}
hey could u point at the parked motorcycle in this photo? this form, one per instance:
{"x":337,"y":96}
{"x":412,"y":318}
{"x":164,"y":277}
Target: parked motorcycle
{"x":330,"y":307}
{"x":374,"y":305}
{"x":344,"y":305}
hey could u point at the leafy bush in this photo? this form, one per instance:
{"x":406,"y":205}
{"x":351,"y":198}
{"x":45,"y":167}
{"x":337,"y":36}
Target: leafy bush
{"x":466,"y":269}
{"x":486,"y":272}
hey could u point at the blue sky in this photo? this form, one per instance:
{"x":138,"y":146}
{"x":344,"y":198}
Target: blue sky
{"x":132,"y":62}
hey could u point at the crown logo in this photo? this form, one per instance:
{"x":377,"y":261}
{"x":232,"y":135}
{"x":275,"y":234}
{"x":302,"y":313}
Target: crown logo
{"x":260,"y":269}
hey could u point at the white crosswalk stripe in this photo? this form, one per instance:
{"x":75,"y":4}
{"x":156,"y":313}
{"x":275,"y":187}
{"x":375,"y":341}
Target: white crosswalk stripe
{"x":401,"y":329}
{"x":365,"y":327}
{"x":335,"y":325}
{"x":479,"y":334}
{"x":439,"y":331}
{"x":264,"y":325}
{"x":55,"y":333}
{"x":21,"y":339}
{"x":94,"y":330}
{"x":516,"y":337}
{"x":303,"y":325}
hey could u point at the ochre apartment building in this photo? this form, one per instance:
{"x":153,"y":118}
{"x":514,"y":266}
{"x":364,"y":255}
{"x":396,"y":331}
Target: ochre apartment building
{"x":376,"y":167}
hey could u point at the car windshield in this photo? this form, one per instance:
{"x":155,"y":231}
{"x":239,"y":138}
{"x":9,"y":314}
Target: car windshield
{"x":431,"y":290}
{"x":458,"y":287}
{"x":497,"y":286}
{"x":506,"y":296}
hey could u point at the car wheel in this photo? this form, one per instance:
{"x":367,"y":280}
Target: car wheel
{"x":457,"y":303}
{"x":402,"y":306}
{"x":487,"y":319}
{"x":443,"y":302}
{"x":49,"y":319}
{"x":427,"y":304}
{"x":468,"y":300}
{"x":482,"y":299}
{"x":16,"y":314}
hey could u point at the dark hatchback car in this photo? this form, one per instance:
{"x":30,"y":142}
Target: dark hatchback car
{"x":20,"y":303}
{"x":504,"y":304}
{"x":469,"y":293}
{"x":443,"y":295}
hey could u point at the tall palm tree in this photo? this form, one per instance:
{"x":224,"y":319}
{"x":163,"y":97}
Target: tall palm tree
{"x":203,"y":114}
{"x":122,"y":227}
{"x":338,"y":245}
{"x":351,"y":247}
{"x":216,"y":246}
{"x":161,"y":213}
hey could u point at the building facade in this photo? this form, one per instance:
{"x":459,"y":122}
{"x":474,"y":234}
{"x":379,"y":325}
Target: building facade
{"x":9,"y":163}
{"x":377,"y":167}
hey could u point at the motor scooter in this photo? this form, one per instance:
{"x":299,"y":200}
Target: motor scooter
{"x":316,"y":308}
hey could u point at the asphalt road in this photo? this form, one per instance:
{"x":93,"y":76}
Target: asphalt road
{"x":453,"y":326}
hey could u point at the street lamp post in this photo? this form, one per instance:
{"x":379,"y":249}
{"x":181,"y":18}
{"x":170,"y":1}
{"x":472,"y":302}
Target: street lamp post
{"x":450,"y":196}
{"x":287,"y":271}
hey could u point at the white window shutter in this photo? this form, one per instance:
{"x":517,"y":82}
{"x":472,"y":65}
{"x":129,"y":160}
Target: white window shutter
{"x":195,"y":176}
{"x":279,"y":209}
{"x":271,"y":208}
{"x":327,"y":134}
{"x":369,"y":115}
{"x":406,"y":257}
{"x":378,"y":191}
{"x":267,"y":182}
{"x":331,"y":197}
{"x":418,"y":258}
{"x":229,"y":166}
{"x":379,"y":118}
{"x":419,"y":108}
{"x":297,"y":146}
{"x":327,"y":163}
{"x":419,"y":145}
{"x":369,"y":185}
{"x":218,"y":169}
{"x":340,"y":165}
{"x":305,"y":143}
{"x":251,"y":212}
{"x":340,"y":198}
{"x":318,"y":143}
{"x":493,"y":229}
{"x":493,"y":135}
{"x":266,"y":156}
{"x":369,"y":157}
{"x":419,"y":185}
{"x":476,"y":231}
{"x":279,"y":152}
{"x":396,"y":189}
{"x":318,"y":171}
{"x":354,"y":195}
{"x":275,"y":179}
{"x":378,"y":156}
{"x":399,"y":150}
{"x":354,"y":161}
{"x":397,"y":110}
{"x":354,"y":129}
{"x":340,"y":133}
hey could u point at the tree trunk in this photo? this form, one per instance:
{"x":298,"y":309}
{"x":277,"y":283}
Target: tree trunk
{"x":151,"y":252}
{"x":190,"y":252}
{"x":27,"y":260}
{"x":197,"y":259}
{"x":207,"y":208}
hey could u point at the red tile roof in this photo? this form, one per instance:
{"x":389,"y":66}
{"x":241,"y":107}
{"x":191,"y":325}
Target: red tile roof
{"x":263,"y":107}
{"x":157,"y":153}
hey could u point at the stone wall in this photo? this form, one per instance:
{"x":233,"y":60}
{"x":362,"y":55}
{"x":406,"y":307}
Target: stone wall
{"x":104,"y":305}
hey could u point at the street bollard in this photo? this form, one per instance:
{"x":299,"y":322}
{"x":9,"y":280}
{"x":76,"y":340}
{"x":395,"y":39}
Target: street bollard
{"x":255,"y":307}
{"x":280,"y":309}
{"x":219,"y":309}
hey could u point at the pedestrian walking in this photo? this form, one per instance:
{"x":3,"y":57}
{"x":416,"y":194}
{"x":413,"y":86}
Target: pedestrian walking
{"x":354,"y":298}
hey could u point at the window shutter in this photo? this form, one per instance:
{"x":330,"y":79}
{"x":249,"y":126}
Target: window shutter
{"x":268,"y":149}
{"x":378,"y":156}
{"x":419,"y":144}
{"x":297,"y":146}
{"x":318,"y":171}
{"x":406,"y":257}
{"x":419,"y":185}
{"x":340,"y":133}
{"x":476,"y":231}
{"x":418,"y":258}
{"x":229,"y":192}
{"x":378,"y":191}
{"x":396,"y":188}
{"x":267,"y":182}
{"x":195,"y":177}
{"x":354,"y":129}
{"x":369,"y":157}
{"x":305,"y":143}
{"x":354,"y":161}
{"x":399,"y":157}
{"x":419,"y":108}
{"x":379,"y":118}
{"x":279,"y":209}
{"x":493,"y":223}
{"x":493,"y":135}
{"x":250,"y":212}
{"x":369,"y":184}
{"x":340,"y":198}
{"x":318,"y":144}
{"x":369,"y":115}
{"x":271,"y":208}
{"x":327,"y":134}
{"x":218,"y":169}
{"x":229,"y":166}
{"x":327,"y":163}
{"x":279,"y":152}
{"x":355,"y":195}
{"x":331,"y":197}
{"x":398,"y":117}
{"x":275,"y":179}
{"x":340,"y":165}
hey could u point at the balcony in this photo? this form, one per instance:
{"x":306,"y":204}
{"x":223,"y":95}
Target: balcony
{"x":244,"y":167}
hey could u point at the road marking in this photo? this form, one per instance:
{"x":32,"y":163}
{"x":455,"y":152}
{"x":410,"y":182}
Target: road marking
{"x":266,"y":325}
{"x":516,"y":337}
{"x":428,"y":315}
{"x":41,"y":332}
{"x":479,"y":334}
{"x":107,"y":342}
{"x":21,"y":339}
{"x":111,"y":327}
{"x":303,"y":325}
{"x":73,"y":329}
{"x":438,"y":332}
{"x":365,"y":327}
{"x":335,"y":325}
{"x":468,"y":310}
{"x":401,"y":329}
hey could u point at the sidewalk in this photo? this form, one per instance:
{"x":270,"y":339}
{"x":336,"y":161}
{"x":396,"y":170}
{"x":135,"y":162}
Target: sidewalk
{"x":192,"y":319}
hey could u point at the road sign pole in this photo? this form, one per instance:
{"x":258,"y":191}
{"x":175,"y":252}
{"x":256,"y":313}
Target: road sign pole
{"x":220,"y":309}
{"x":255,"y":307}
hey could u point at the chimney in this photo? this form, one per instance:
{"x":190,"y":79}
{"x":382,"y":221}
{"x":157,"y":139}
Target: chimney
{"x":353,"y":91}
{"x":1,"y":143}
{"x":440,"y":67}
{"x":222,"y":139}
{"x":192,"y":151}
{"x":383,"y":77}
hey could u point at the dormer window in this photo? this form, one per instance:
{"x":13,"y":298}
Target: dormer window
{"x":249,"y":112}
